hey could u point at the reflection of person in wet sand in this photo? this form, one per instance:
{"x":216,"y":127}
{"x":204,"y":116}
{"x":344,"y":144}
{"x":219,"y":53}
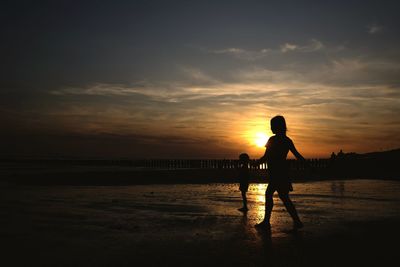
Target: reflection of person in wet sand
{"x":244,"y":179}
{"x":275,"y":155}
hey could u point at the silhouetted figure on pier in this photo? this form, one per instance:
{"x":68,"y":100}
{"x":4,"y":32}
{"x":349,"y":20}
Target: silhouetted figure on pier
{"x":244,"y":179}
{"x":340,"y":155}
{"x":275,"y":155}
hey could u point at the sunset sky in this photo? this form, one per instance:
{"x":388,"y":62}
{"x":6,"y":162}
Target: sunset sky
{"x":197,"y":79}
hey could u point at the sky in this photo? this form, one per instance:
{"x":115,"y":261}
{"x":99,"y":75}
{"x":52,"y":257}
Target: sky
{"x":197,"y":79}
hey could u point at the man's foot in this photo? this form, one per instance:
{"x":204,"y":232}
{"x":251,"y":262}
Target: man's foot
{"x":244,"y":209}
{"x":298,"y":225}
{"x":263,"y":224}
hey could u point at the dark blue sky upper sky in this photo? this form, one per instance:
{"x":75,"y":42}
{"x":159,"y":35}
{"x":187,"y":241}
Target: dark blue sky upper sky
{"x":114,"y":41}
{"x":142,"y":69}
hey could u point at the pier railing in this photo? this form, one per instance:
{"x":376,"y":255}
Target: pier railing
{"x":223,"y":164}
{"x":123,"y":171}
{"x":175,"y":164}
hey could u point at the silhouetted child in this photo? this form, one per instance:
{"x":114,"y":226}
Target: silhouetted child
{"x":275,"y":155}
{"x":244,"y":178}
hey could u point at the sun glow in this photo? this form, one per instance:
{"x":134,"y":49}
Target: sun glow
{"x":260,"y":139}
{"x":254,"y":136}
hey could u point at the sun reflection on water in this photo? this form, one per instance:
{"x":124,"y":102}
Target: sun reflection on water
{"x":260,"y":193}
{"x":259,"y":199}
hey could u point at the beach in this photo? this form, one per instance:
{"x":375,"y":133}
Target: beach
{"x":347,"y":223}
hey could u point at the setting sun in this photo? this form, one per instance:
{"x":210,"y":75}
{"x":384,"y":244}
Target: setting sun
{"x":261,"y":139}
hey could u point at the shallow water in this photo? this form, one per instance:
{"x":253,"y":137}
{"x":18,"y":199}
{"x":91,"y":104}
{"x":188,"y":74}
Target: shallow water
{"x":171,"y":206}
{"x":112,"y":218}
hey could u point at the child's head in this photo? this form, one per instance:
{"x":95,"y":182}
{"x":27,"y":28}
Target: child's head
{"x":244,"y":158}
{"x":278,"y":125}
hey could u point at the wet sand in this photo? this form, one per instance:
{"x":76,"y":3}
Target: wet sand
{"x":347,"y":223}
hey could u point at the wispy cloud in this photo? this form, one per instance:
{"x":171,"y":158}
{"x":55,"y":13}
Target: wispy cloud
{"x":313,"y":45}
{"x":241,"y":53}
{"x":374,"y":28}
{"x":338,"y":73}
{"x":244,"y":54}
{"x":288,"y":47}
{"x":340,"y":98}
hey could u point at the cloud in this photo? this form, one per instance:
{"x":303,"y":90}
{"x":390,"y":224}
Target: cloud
{"x":374,"y":28}
{"x":252,"y":55}
{"x":345,"y":73}
{"x":313,"y":45}
{"x":244,"y":54}
{"x":96,"y":89}
{"x":227,"y":114}
{"x":335,"y":98}
{"x":288,"y":47}
{"x":196,"y":75}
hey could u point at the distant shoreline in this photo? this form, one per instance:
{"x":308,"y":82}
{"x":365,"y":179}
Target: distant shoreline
{"x":378,"y":166}
{"x":109,"y":176}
